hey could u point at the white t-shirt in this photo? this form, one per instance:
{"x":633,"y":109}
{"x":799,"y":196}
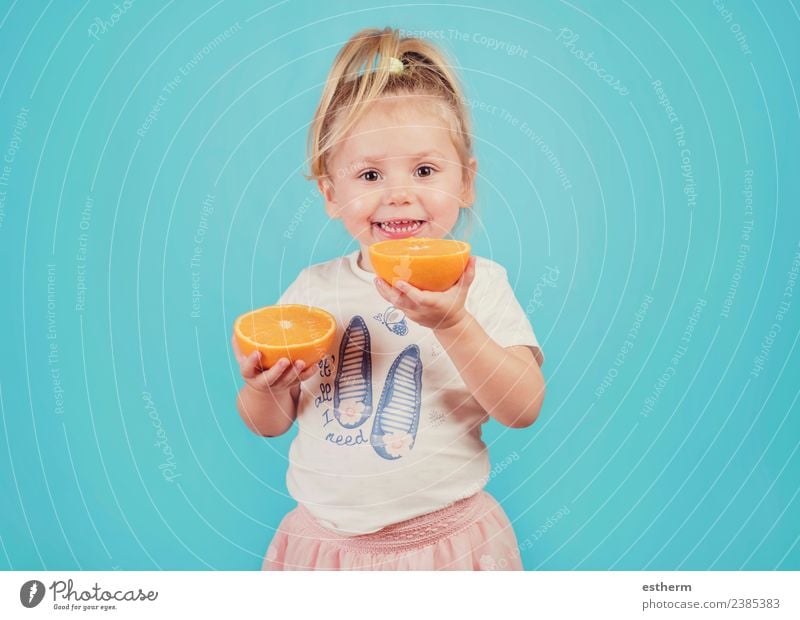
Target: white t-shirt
{"x":387,"y":429}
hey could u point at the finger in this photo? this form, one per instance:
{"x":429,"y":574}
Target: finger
{"x":275,"y":376}
{"x":399,"y":297}
{"x":247,"y":366}
{"x":468,"y":276}
{"x":298,"y":369}
{"x":387,"y":292}
{"x":289,"y":376}
{"x":256,"y":361}
{"x":410,"y":291}
{"x":470,"y":268}
{"x":251,"y":365}
{"x":308,"y":373}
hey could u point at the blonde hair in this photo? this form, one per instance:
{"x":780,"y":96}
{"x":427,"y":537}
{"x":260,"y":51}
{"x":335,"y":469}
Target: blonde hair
{"x":363,"y":72}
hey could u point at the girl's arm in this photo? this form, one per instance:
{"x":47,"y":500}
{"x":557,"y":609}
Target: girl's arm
{"x":268,"y":401}
{"x":268,"y":413}
{"x":506,"y":382}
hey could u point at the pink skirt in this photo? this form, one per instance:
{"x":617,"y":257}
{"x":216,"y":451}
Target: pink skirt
{"x":470,"y":534}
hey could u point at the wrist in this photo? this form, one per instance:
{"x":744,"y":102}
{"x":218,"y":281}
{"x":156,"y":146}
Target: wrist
{"x":454,"y":326}
{"x":266,"y":414}
{"x":265,"y":391}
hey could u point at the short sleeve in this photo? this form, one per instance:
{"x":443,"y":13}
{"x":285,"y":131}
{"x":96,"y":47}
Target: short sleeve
{"x":495,"y":306}
{"x":299,"y":291}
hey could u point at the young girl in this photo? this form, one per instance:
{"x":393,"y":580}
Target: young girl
{"x":388,"y":466}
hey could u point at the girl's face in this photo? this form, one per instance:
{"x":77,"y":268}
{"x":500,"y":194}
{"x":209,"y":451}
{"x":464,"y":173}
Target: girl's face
{"x":398,"y":174}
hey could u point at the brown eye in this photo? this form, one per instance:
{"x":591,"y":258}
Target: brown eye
{"x":425,"y":171}
{"x":369,"y":172}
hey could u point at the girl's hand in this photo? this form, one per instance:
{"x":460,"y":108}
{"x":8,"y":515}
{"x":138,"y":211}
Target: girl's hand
{"x":432,"y":309}
{"x":281,"y":377}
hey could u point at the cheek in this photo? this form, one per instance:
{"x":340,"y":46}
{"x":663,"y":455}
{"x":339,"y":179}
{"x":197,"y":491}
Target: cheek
{"x":354,"y":205}
{"x":360,"y":212}
{"x":356,"y":215}
{"x":443,"y":203}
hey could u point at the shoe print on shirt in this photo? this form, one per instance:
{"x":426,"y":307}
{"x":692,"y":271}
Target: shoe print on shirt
{"x":397,"y":418}
{"x":352,"y":389}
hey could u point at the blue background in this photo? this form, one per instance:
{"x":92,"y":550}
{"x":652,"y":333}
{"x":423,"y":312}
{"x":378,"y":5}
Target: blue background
{"x":696,"y":470}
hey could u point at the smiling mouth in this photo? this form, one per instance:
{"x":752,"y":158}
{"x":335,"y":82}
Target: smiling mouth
{"x":399,"y":226}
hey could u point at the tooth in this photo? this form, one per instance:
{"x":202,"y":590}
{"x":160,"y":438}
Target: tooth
{"x":400,"y":226}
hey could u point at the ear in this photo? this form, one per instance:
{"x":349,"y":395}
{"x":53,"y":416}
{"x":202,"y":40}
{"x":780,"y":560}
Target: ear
{"x":468,"y":175}
{"x":326,"y":188}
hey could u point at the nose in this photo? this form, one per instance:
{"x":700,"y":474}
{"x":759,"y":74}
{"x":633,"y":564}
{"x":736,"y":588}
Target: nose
{"x":398,"y":195}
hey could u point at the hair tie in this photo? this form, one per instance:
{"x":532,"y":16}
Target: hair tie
{"x":396,"y":65}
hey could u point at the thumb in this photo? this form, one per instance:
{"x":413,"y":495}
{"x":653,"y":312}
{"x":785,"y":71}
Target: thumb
{"x":469,"y":272}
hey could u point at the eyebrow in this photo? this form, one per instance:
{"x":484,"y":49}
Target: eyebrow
{"x":380,"y":156}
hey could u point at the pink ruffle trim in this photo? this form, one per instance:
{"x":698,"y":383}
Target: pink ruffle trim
{"x":471,"y":534}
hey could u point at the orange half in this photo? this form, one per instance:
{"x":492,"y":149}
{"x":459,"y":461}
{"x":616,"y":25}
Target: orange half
{"x":428,"y":264}
{"x":294,"y":331}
